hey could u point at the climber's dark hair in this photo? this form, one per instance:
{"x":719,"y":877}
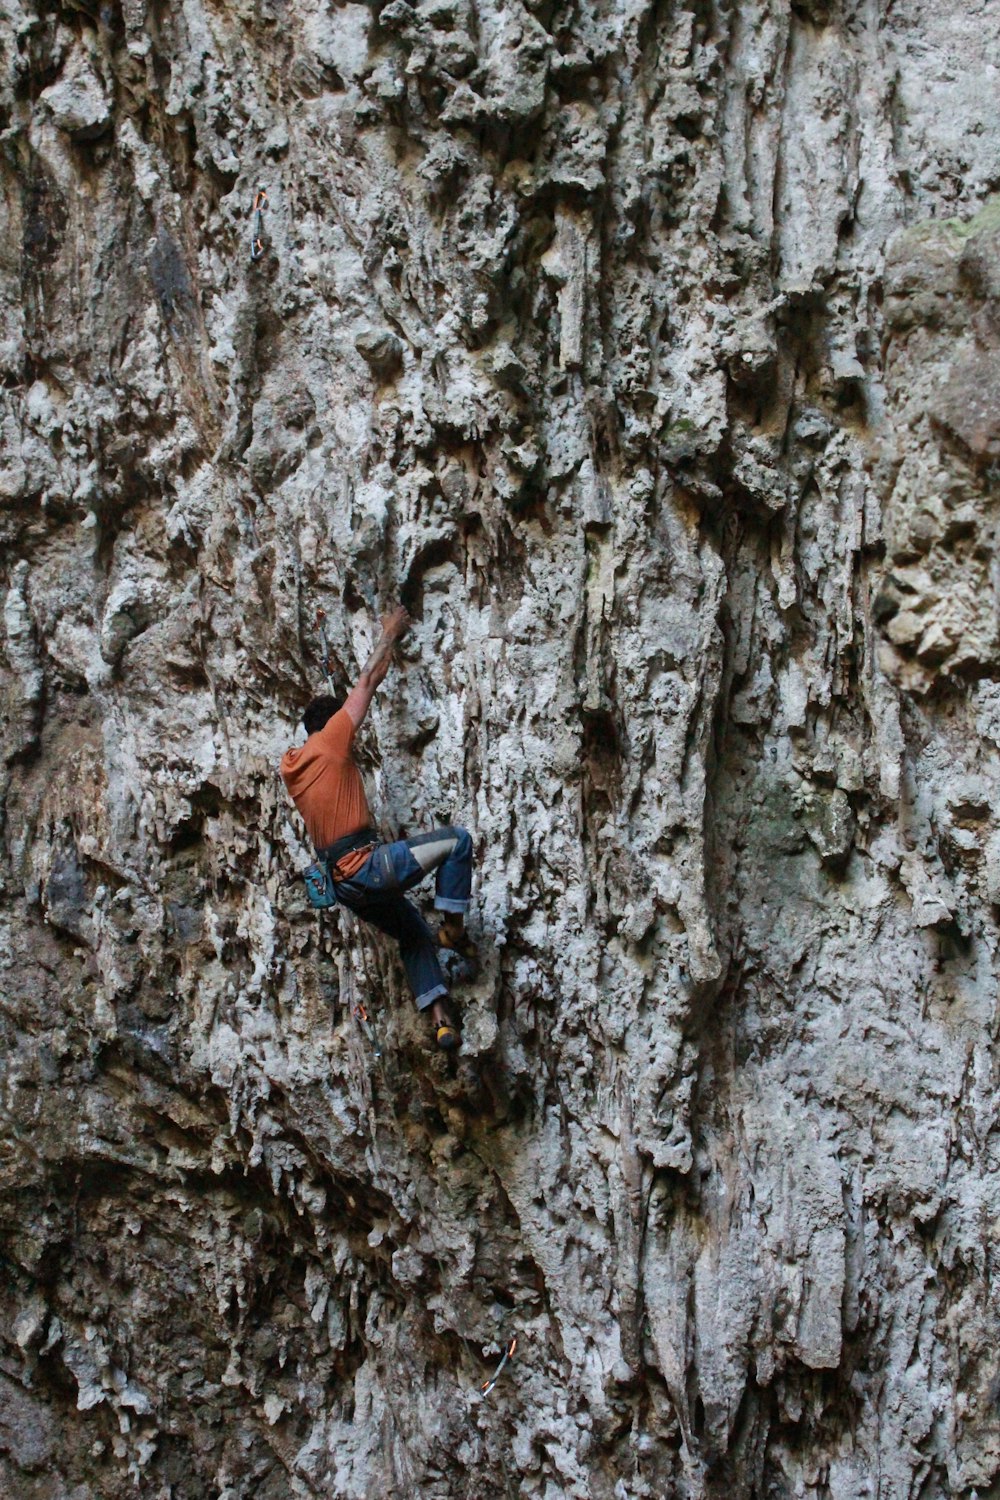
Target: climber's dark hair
{"x":320,"y":711}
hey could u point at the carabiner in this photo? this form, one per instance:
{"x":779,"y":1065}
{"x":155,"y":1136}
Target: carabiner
{"x":324,"y":642}
{"x":488,"y":1385}
{"x":361,"y":1016}
{"x":257,"y":229}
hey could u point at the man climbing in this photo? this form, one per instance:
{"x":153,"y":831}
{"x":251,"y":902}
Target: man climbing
{"x":369,"y":876}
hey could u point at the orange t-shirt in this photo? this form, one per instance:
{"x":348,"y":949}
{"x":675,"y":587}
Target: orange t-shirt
{"x":326,"y":787}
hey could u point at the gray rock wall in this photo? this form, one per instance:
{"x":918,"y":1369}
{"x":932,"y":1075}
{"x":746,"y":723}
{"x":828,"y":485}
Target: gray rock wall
{"x":651,"y":356}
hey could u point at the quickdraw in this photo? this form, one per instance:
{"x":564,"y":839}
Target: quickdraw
{"x":488,"y":1385}
{"x":324,"y":642}
{"x":257,"y":227}
{"x":361,"y":1016}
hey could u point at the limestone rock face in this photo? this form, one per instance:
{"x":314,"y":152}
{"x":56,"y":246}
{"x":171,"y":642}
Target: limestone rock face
{"x":650,"y":356}
{"x":77,"y":101}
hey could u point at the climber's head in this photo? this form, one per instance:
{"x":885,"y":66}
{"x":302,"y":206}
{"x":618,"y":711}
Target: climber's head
{"x":320,"y":711}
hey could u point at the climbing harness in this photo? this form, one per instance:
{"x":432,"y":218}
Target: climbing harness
{"x":361,"y":1016}
{"x":257,"y":227}
{"x":321,"y":891}
{"x":488,"y":1385}
{"x":324,"y":642}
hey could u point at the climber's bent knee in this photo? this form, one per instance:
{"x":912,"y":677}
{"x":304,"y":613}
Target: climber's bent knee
{"x":434,"y":848}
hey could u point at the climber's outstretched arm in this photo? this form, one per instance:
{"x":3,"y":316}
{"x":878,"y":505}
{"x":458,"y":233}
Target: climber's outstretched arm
{"x":394,"y":625}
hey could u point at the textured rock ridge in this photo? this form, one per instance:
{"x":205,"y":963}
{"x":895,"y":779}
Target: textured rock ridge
{"x":650,"y":355}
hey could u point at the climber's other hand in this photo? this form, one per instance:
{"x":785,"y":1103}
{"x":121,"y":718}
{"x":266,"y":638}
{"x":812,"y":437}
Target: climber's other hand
{"x":396,"y":623}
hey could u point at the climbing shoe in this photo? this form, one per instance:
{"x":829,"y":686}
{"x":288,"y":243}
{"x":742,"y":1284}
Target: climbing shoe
{"x":446,"y":1030}
{"x":447,"y":1036}
{"x":457,"y":940}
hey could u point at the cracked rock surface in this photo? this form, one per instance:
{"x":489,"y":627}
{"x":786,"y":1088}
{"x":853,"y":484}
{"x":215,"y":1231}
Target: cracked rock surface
{"x":650,"y":354}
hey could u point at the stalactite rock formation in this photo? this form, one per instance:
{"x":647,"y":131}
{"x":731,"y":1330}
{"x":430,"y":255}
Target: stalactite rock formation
{"x":650,"y":354}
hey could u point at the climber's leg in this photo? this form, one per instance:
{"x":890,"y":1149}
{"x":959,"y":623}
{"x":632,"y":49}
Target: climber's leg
{"x":375,"y":893}
{"x":398,"y":918}
{"x":446,"y":850}
{"x":449,"y":852}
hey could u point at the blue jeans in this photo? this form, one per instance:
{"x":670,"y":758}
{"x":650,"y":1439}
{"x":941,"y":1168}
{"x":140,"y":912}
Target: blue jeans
{"x":375,"y":893}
